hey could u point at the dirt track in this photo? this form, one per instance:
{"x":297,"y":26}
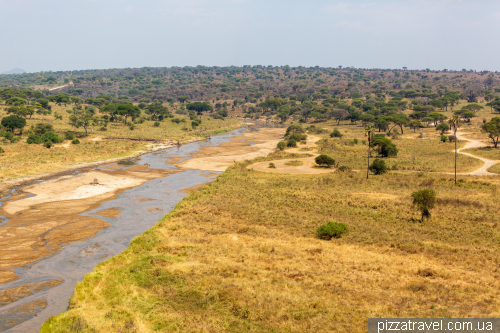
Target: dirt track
{"x":482,"y":171}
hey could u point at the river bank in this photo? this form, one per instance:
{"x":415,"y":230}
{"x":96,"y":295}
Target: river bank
{"x":60,"y":228}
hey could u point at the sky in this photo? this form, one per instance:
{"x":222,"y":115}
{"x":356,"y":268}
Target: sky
{"x":44,"y":35}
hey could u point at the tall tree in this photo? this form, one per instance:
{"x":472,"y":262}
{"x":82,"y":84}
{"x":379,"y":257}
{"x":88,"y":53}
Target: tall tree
{"x":492,"y":127}
{"x":83,"y":118}
{"x":455,"y":125}
{"x":369,"y":131}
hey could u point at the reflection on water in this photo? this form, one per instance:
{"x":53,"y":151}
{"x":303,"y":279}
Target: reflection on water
{"x":141,"y":207}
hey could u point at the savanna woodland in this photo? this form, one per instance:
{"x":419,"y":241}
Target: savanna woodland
{"x":380,"y":200}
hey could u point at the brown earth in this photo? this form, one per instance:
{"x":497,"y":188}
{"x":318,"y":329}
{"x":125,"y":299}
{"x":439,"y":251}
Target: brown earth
{"x":40,"y":226}
{"x":220,"y":157}
{"x":11,"y":295}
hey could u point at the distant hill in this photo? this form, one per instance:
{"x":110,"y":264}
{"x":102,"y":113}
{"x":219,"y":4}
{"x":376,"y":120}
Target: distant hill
{"x":15,"y":71}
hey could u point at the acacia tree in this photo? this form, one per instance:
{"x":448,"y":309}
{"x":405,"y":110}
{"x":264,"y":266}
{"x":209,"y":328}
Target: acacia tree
{"x":425,"y":200}
{"x":472,"y":92}
{"x":12,"y":122}
{"x":492,"y":127}
{"x":83,"y":118}
{"x":454,"y":125}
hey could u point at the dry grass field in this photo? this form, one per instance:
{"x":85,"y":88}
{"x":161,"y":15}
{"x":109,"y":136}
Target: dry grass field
{"x":241,"y":255}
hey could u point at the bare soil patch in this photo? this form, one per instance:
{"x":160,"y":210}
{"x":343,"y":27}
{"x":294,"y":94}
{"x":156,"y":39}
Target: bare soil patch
{"x":220,"y":157}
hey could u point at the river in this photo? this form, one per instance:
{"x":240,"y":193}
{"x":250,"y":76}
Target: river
{"x":139,"y":209}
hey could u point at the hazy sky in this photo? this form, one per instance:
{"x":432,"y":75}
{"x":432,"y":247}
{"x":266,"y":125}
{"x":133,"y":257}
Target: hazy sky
{"x":42,"y":35}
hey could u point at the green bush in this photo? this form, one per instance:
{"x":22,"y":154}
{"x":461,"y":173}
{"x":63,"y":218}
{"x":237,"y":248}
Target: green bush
{"x":331,"y":230}
{"x":69,"y":136}
{"x":295,"y":128}
{"x":324,"y":160}
{"x":8,"y":135}
{"x":298,"y":137}
{"x":41,"y":128}
{"x":384,"y":146}
{"x":132,"y":127}
{"x":51,"y":136}
{"x":272,"y":166}
{"x":281,"y":145}
{"x":291,"y":143}
{"x":444,"y":138}
{"x":75,"y":141}
{"x":33,"y":138}
{"x":47,"y":144}
{"x":1,"y":150}
{"x":156,"y":124}
{"x":378,"y":167}
{"x":355,"y":141}
{"x":336,"y":134}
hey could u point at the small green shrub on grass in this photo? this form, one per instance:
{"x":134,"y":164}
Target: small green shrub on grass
{"x":331,"y":230}
{"x":378,"y":167}
{"x":69,"y":136}
{"x":324,"y":160}
{"x":281,"y":145}
{"x":33,"y":138}
{"x":336,"y":134}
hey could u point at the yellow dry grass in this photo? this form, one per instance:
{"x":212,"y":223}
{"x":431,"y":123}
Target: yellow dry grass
{"x":241,"y":256}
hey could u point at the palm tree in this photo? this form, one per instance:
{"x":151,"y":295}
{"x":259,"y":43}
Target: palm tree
{"x":369,"y":130}
{"x":454,"y":125}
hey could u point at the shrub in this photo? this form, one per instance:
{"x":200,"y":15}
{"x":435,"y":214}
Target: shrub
{"x":291,"y":143}
{"x":378,"y":167}
{"x":41,"y":129}
{"x":176,"y":120}
{"x":8,"y":135}
{"x":281,"y":145}
{"x":425,"y":200}
{"x":355,"y":141}
{"x":344,"y":168}
{"x":295,"y":128}
{"x":194,"y":124}
{"x":298,"y":137}
{"x":47,"y":144}
{"x":156,"y":124}
{"x":336,"y":134}
{"x":69,"y":136}
{"x":51,"y":136}
{"x":443,"y":127}
{"x":75,"y":142}
{"x":1,"y":150}
{"x":272,"y":166}
{"x":33,"y":138}
{"x":331,"y":230}
{"x":132,"y":127}
{"x":384,"y":146}
{"x":324,"y":160}
{"x":444,"y":138}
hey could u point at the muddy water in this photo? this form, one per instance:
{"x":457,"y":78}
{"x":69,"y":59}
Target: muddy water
{"x":39,"y":293}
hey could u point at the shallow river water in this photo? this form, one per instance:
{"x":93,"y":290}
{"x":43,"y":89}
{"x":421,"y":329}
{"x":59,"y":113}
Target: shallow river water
{"x":141,"y":207}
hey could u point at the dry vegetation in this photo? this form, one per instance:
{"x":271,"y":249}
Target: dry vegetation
{"x":22,"y":159}
{"x":241,"y":256}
